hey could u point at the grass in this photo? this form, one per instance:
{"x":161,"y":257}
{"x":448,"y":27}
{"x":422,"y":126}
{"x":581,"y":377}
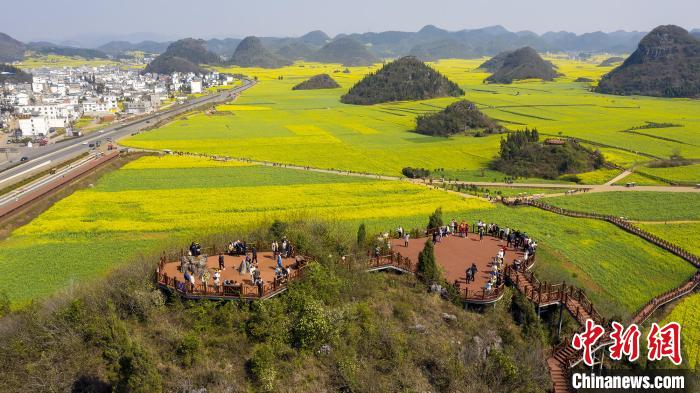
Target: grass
{"x":685,"y":313}
{"x":642,"y":206}
{"x":685,"y":234}
{"x":273,"y":123}
{"x":683,"y":174}
{"x":639,"y":180}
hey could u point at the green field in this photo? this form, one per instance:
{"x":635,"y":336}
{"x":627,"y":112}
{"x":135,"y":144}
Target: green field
{"x":273,"y":123}
{"x":156,"y":203}
{"x":686,"y":314}
{"x":639,"y":206}
{"x":685,"y":234}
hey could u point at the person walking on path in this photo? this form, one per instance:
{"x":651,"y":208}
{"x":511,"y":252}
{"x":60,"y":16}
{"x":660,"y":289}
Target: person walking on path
{"x":406,"y":237}
{"x":221,"y":262}
{"x":255,"y":255}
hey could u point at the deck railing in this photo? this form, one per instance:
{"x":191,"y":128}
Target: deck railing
{"x":222,"y":291}
{"x":622,"y":223}
{"x":396,"y":260}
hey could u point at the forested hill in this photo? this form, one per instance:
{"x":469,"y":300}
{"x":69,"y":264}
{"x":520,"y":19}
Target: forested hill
{"x":404,"y":79}
{"x":183,"y":56}
{"x":666,"y":64}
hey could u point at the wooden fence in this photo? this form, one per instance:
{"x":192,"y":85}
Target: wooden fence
{"x":622,"y":223}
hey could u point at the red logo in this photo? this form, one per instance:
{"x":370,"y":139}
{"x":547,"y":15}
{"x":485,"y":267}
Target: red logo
{"x":585,"y":340}
{"x":625,"y":342}
{"x":665,"y":342}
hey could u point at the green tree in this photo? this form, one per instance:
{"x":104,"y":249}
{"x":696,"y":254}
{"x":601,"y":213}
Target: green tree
{"x":278,"y":229}
{"x":361,"y":234}
{"x":427,"y":267}
{"x":435,"y":219}
{"x":138,"y":373}
{"x":312,"y":327}
{"x":262,"y":366}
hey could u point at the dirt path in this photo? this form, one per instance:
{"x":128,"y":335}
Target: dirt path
{"x":619,"y":177}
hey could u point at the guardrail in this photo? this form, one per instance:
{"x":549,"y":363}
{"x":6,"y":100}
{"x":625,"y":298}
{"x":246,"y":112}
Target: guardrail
{"x":239,"y":291}
{"x":622,"y":223}
{"x":60,"y":181}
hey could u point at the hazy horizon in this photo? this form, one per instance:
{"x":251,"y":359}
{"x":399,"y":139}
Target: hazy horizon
{"x":87,"y":22}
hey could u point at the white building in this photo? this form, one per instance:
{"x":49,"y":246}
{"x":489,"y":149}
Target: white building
{"x":34,"y":125}
{"x":196,"y":86}
{"x":101,"y":106}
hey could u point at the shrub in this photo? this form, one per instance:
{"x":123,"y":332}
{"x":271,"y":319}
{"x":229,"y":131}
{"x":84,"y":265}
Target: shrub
{"x":262,"y":366}
{"x":278,"y":229}
{"x":312,"y":326}
{"x":415,"y":173}
{"x":188,"y":350}
{"x":426,"y":264}
{"x":361,"y":234}
{"x":435,"y":219}
{"x":137,"y":373}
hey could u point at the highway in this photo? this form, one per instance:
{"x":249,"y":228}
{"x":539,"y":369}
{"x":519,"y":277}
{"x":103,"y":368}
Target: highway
{"x":42,"y":158}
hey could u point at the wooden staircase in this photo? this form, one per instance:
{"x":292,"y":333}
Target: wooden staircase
{"x":558,"y":365}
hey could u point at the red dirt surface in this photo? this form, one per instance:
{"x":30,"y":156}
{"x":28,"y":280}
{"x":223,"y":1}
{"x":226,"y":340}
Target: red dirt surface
{"x":455,"y":254}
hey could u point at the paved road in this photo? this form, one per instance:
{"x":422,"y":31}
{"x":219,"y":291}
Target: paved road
{"x":24,"y":195}
{"x":44,"y":157}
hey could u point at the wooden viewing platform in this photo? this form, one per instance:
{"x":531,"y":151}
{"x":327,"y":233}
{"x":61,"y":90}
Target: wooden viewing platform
{"x":454,"y":254}
{"x":232,"y":284}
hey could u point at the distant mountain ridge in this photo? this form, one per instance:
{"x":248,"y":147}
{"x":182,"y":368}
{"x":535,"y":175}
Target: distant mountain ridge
{"x":345,"y":51}
{"x":430,"y":43}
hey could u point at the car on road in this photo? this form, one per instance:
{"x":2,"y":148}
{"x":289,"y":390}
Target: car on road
{"x":25,"y":158}
{"x":84,"y":143}
{"x":91,"y":145}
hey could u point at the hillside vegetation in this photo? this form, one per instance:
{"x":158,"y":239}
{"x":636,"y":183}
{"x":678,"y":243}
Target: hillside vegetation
{"x":251,"y":53}
{"x":401,"y":80}
{"x":495,"y":63}
{"x":10,"y":49}
{"x":321,"y":81}
{"x":460,"y":117}
{"x":338,"y":329}
{"x":524,"y":63}
{"x":522,"y":154}
{"x":666,"y":64}
{"x":12,"y":74}
{"x":183,"y":56}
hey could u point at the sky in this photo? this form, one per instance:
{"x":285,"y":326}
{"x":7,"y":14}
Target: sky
{"x":103,"y":20}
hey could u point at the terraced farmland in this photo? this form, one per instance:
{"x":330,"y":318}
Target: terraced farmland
{"x":273,"y":123}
